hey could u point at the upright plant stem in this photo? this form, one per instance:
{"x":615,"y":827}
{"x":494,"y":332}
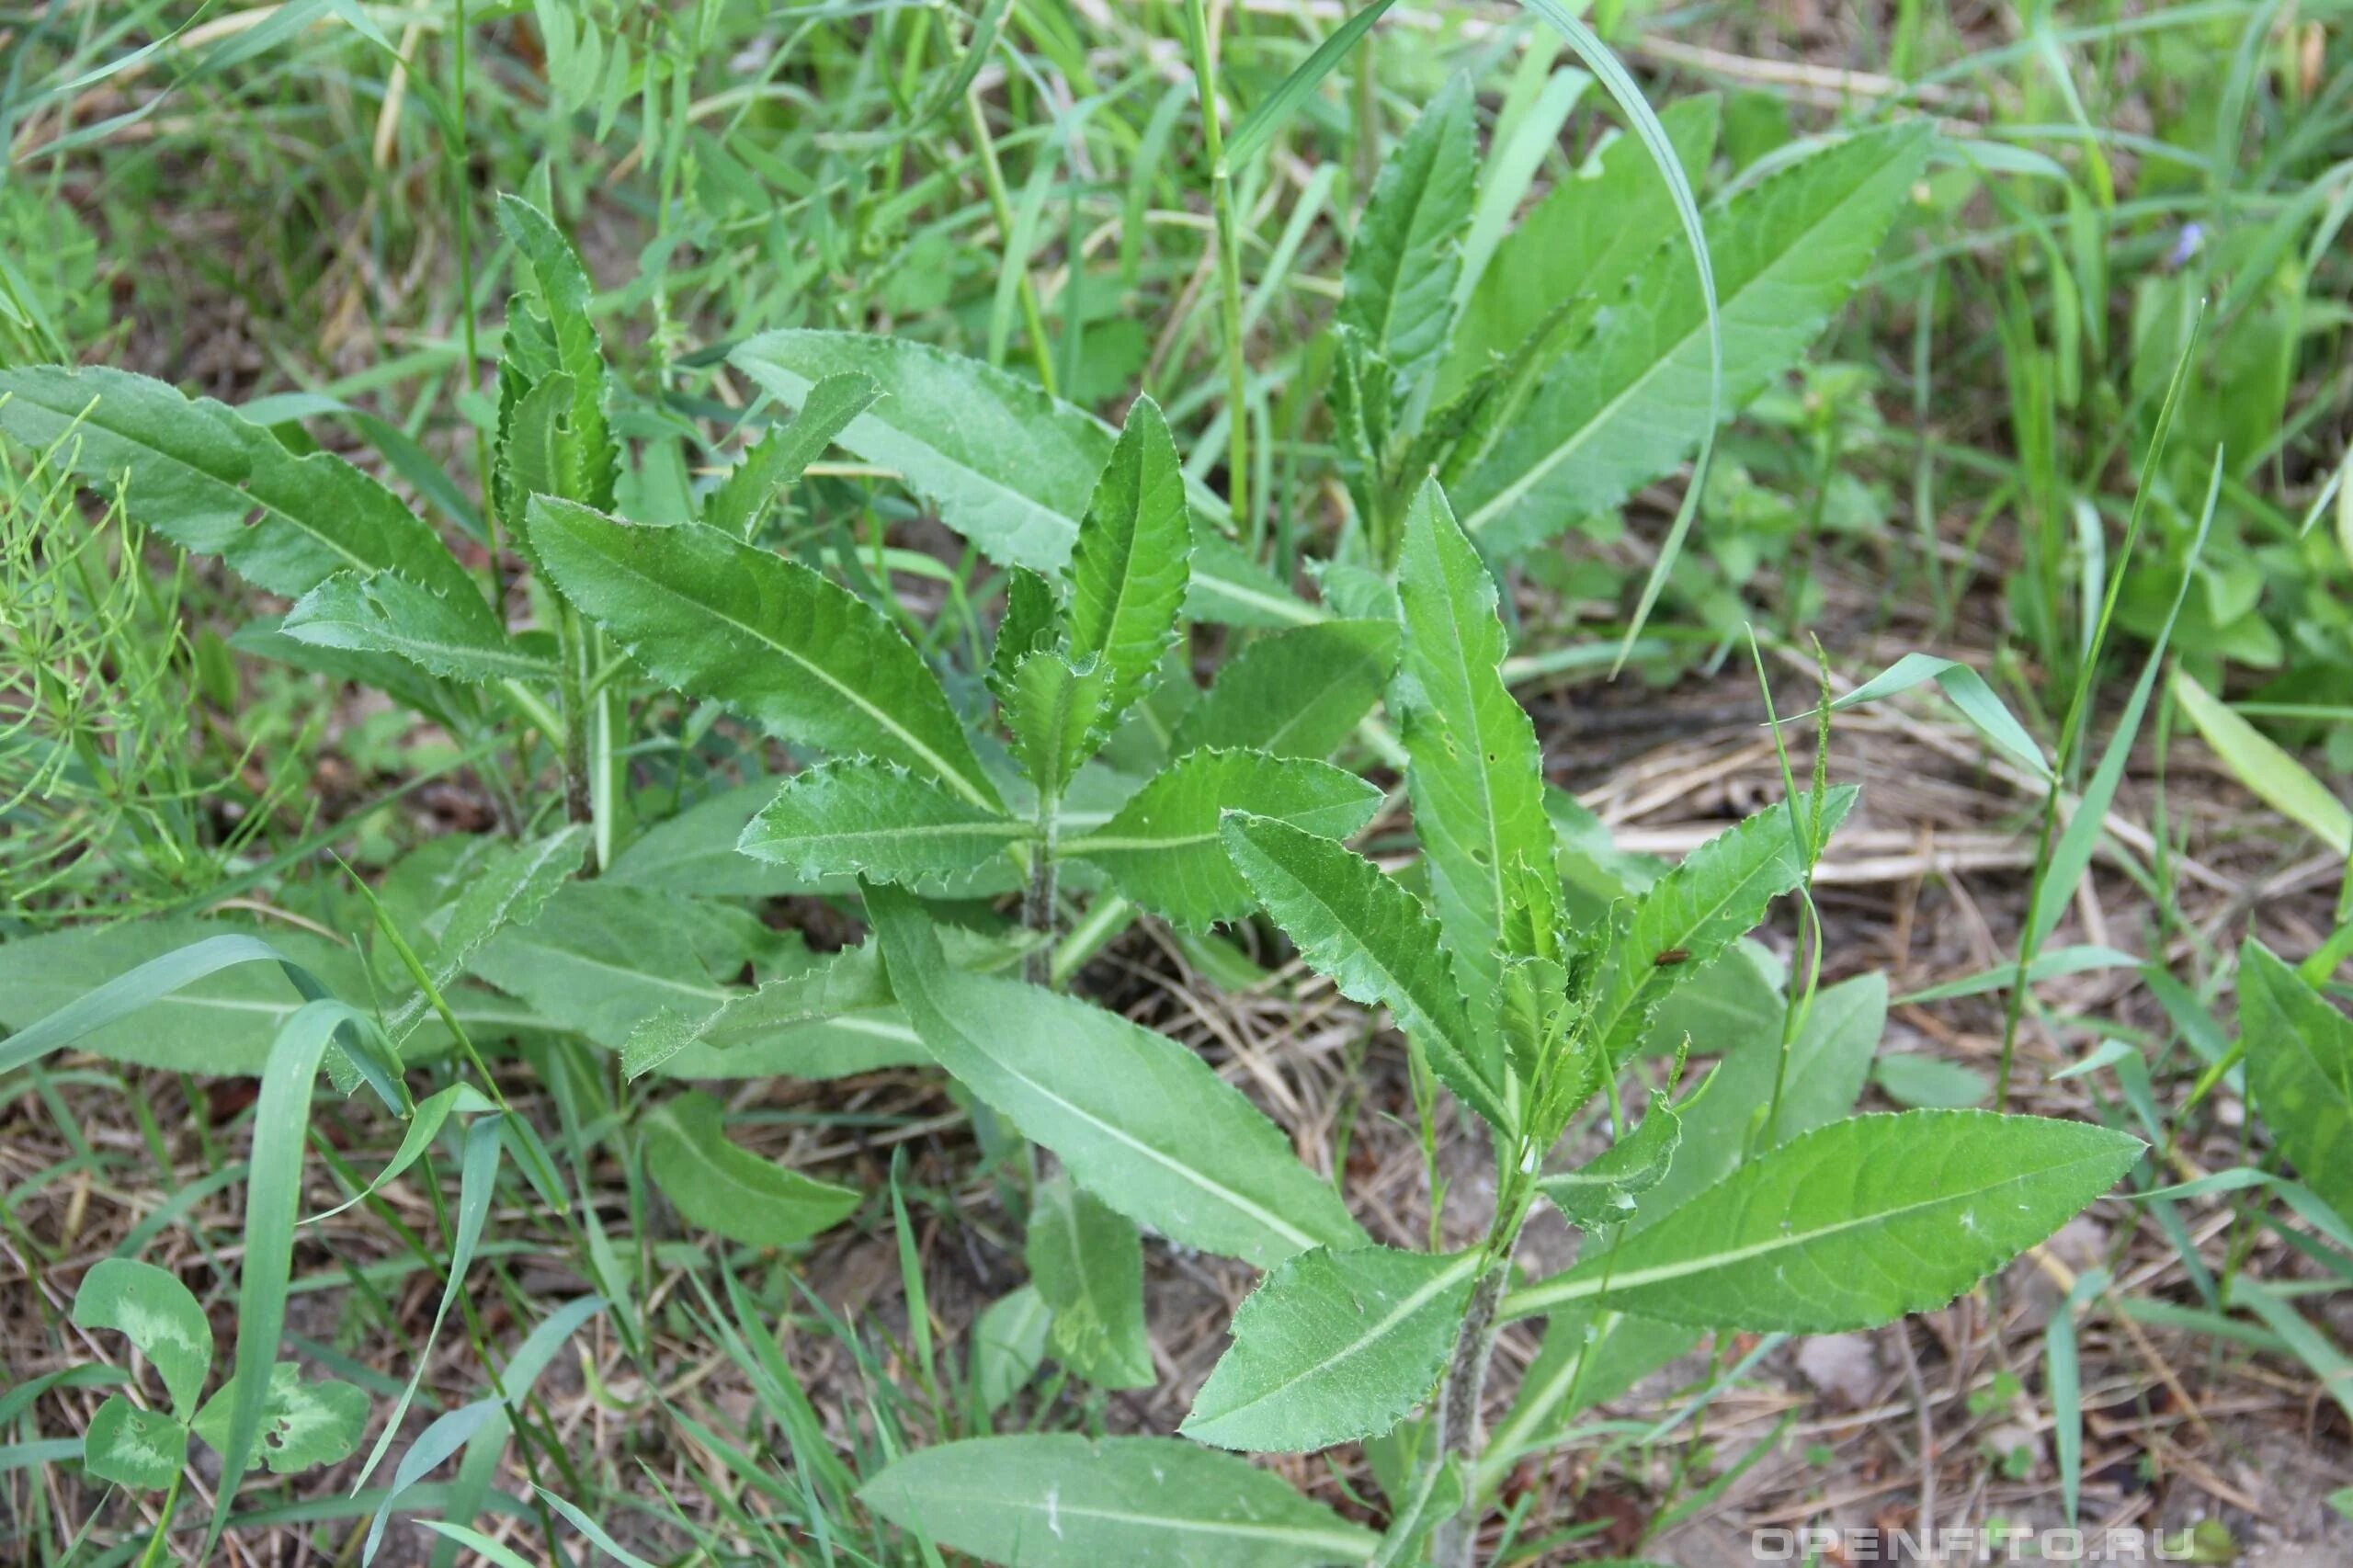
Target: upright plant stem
{"x":456,"y":156}
{"x":1229,"y":272}
{"x":1037,"y":898}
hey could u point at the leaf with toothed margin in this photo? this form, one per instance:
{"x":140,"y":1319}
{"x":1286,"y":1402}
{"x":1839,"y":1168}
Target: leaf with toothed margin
{"x":1853,"y":1225}
{"x":384,"y":612}
{"x":1333,"y":1346}
{"x":1298,"y":692}
{"x":876,"y":819}
{"x":1163,"y":850}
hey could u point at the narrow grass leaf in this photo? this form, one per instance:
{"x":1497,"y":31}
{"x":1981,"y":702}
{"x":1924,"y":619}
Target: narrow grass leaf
{"x":1276,"y":108}
{"x":1970,"y":698}
{"x":2279,"y":781}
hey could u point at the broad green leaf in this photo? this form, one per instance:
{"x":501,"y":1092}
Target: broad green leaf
{"x":1010,"y":468}
{"x":1375,"y":942}
{"x":387,"y":613}
{"x":695,"y":851}
{"x":784,"y":454}
{"x":1397,"y":286}
{"x":1049,"y":707}
{"x":1723,"y":1004}
{"x":1163,"y":850}
{"x":1298,"y":692}
{"x":213,"y":483}
{"x":1129,"y":566}
{"x":599,"y":960}
{"x":1854,"y":1224}
{"x":131,"y":1446}
{"x":1333,"y":1346}
{"x":1140,"y":1120}
{"x":1586,"y":237}
{"x":1916,"y":1081}
{"x":1602,"y":1191}
{"x":1063,"y":1501}
{"x":1699,"y":909}
{"x":1473,"y":768}
{"x":305,"y":1422}
{"x":805,"y":658}
{"x":1008,"y":1343}
{"x":563,"y":296}
{"x":2279,"y":781}
{"x":1632,"y":400}
{"x":1087,"y":1262}
{"x":1971,"y":697}
{"x":876,"y":819}
{"x":155,"y":1312}
{"x":729,"y":1190}
{"x":2299,"y":1069}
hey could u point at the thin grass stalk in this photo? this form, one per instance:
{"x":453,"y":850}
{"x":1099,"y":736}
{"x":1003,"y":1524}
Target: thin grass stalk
{"x":1229,"y":269}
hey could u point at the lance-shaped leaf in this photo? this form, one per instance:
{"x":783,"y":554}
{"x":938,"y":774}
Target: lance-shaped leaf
{"x":1298,"y":692}
{"x":154,"y":1310}
{"x":1063,"y":1501}
{"x":1129,"y":566}
{"x":1474,"y":768}
{"x":878,"y":819}
{"x":1375,"y":942}
{"x":1162,"y":848}
{"x":131,"y":1446}
{"x":1050,"y":705}
{"x":1586,"y":238}
{"x":1087,"y":1261}
{"x":785,"y":453}
{"x":387,"y":613}
{"x":214,"y":483}
{"x":508,"y":886}
{"x":305,"y":1422}
{"x":1010,"y":468}
{"x":805,"y":658}
{"x":1397,"y":286}
{"x":1009,"y":1343}
{"x":1853,"y":1225}
{"x":599,"y":959}
{"x":839,"y":985}
{"x":1602,"y":1191}
{"x":2300,"y":1066}
{"x":1141,"y":1121}
{"x":728,"y":1190}
{"x":1630,"y":401}
{"x":1333,"y":1346}
{"x":563,"y":295}
{"x":1698,"y":910}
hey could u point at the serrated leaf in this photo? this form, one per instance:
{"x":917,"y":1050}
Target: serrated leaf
{"x":1298,"y":692}
{"x":1050,"y":705}
{"x":1087,"y":1261}
{"x":1632,"y":400}
{"x":154,"y":1310}
{"x":784,"y":454}
{"x":1140,"y":1120}
{"x":729,"y":1190}
{"x":1854,"y":1224}
{"x":1129,"y":566}
{"x":131,"y":1446}
{"x":1162,"y":848}
{"x":1474,"y":768}
{"x":1397,"y":285}
{"x":599,"y":959}
{"x":1699,"y":909}
{"x":1009,"y":468}
{"x":305,"y":1422}
{"x":2300,"y":1070}
{"x":1584,"y":238}
{"x":839,"y":985}
{"x":1602,"y":1191}
{"x":1031,"y":623}
{"x":1333,"y":1346}
{"x":510,"y":887}
{"x":564,"y":295}
{"x":1064,"y":1501}
{"x":878,"y":819}
{"x":1375,"y":942}
{"x":536,"y":455}
{"x":213,"y":483}
{"x":386,"y":613}
{"x":805,"y":659}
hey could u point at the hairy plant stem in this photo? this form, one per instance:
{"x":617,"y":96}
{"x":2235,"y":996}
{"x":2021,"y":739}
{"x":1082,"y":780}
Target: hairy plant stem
{"x":579,"y":802}
{"x":1038,"y":897}
{"x":1228,"y":273}
{"x":1459,"y":1396}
